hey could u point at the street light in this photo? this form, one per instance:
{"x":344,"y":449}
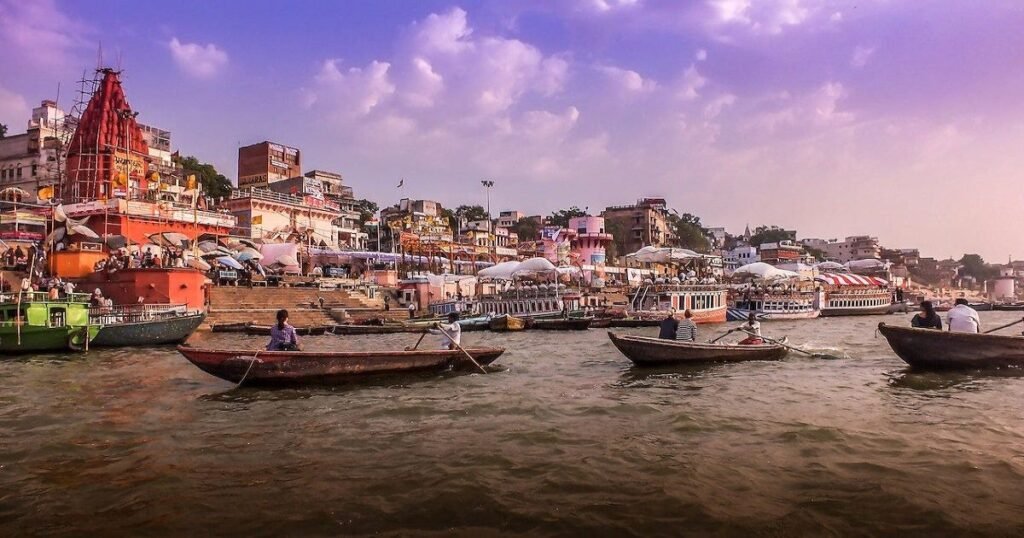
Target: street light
{"x":490,"y":227}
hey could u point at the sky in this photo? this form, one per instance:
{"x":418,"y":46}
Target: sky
{"x":899,"y":119}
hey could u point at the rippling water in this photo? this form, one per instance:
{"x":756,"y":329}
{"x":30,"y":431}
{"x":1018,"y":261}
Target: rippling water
{"x":566,"y":439}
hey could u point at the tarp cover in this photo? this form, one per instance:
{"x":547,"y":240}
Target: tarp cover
{"x":652,"y":254}
{"x":848,"y":279}
{"x":764,"y":271}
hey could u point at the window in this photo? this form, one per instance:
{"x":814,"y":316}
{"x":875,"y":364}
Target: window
{"x":58,"y":317}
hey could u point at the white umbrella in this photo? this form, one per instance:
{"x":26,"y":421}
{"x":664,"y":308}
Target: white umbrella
{"x":764,"y":271}
{"x":830,"y":266}
{"x":58,"y":214}
{"x":198,"y":263}
{"x":287,"y":260}
{"x":228,"y":261}
{"x":208,"y":246}
{"x":81,"y":229}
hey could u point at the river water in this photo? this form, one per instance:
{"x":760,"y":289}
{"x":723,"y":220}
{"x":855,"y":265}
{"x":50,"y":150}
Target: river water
{"x":566,"y":438}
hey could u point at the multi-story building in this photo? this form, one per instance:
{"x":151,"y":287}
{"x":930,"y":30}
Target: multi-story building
{"x":328,"y":188}
{"x":267,"y":162}
{"x":782,"y":252}
{"x":717,"y":236}
{"x":274,"y":216}
{"x":645,"y":223}
{"x":739,"y":256}
{"x":418,"y":219}
{"x":32,"y":160}
{"x":508,"y":219}
{"x":854,"y":247}
{"x":591,"y":239}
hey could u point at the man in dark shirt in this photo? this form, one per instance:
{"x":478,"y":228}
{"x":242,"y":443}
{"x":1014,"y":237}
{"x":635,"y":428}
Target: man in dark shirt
{"x":669,"y":326}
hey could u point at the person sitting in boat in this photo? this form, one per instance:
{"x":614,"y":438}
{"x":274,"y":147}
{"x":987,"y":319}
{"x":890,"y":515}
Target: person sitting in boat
{"x":962,"y":318}
{"x":687,"y":330}
{"x":753,"y":330}
{"x":282,"y":335}
{"x":927,"y":318}
{"x":453,"y":338}
{"x":669,"y":326}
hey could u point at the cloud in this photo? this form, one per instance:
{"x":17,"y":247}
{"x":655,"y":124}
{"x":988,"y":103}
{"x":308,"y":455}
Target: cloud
{"x":627,"y":79}
{"x":861,"y":56}
{"x":701,"y":55}
{"x":762,"y":17}
{"x":716,"y":105}
{"x":14,"y":111}
{"x":352,"y":92}
{"x":38,"y":33}
{"x":198,"y":61}
{"x":690,"y":82}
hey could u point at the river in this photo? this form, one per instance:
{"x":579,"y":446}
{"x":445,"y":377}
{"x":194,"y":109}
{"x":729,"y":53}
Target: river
{"x":565,"y":438}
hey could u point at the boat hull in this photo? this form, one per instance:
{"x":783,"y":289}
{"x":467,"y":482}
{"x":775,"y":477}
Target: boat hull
{"x":171,"y":330}
{"x":932,"y":349}
{"x":570,"y":324}
{"x":264,"y":330}
{"x":348,"y":329}
{"x":1011,"y":307}
{"x":646,"y":351}
{"x":304,"y":367}
{"x":855,"y":311}
{"x":507,"y":323}
{"x":742,"y":314}
{"x":36,"y":339}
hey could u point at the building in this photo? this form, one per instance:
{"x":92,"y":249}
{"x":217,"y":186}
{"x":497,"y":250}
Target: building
{"x":717,"y":236}
{"x":276,"y":217}
{"x":854,"y":247}
{"x":420,"y":220}
{"x":555,"y":244}
{"x":645,"y":223}
{"x":591,"y":240}
{"x":508,"y":219}
{"x":32,"y":160}
{"x":267,"y":162}
{"x":327,"y":187}
{"x":738,"y":257}
{"x":783,"y":252}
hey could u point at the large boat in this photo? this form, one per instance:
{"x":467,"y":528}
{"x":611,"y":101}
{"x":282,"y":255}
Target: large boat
{"x":144,"y":325}
{"x":647,"y":351}
{"x":854,"y":295}
{"x":31,"y":322}
{"x":932,"y":349}
{"x":309,"y":367}
{"x":533,"y":301}
{"x":706,"y":303}
{"x":772,"y":306}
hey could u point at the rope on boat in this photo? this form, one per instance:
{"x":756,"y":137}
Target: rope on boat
{"x":252,"y":361}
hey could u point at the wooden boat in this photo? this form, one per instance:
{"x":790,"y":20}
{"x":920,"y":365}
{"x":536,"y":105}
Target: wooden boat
{"x":264,"y":330}
{"x":1012,"y":307}
{"x":311,"y":367}
{"x":506,"y":323}
{"x":647,"y":351}
{"x":149,"y":331}
{"x":391,"y":328}
{"x":480,"y":323}
{"x":560,"y":324}
{"x":230,"y":327}
{"x":601,"y":323}
{"x":929,"y":348}
{"x":981,"y":307}
{"x":36,"y":323}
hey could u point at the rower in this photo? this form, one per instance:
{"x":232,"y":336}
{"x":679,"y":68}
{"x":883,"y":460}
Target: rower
{"x":453,"y":339}
{"x":753,"y":329}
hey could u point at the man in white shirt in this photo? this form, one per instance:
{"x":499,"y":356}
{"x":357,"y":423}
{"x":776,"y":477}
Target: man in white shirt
{"x":453,"y":338}
{"x":963,"y":319}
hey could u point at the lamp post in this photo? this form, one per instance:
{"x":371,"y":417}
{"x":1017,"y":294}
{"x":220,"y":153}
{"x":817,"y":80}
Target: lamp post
{"x":487,"y":183}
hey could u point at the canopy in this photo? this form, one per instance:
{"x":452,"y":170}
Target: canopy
{"x":81,"y":229}
{"x":198,"y":263}
{"x":848,"y":279}
{"x":764,"y":271}
{"x":650,"y":254}
{"x":502,"y":271}
{"x":868,"y":263}
{"x":247,"y":254}
{"x":830,"y":266}
{"x":170,"y":239}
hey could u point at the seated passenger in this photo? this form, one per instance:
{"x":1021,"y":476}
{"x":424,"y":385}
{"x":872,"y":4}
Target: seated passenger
{"x":669,"y":326}
{"x":687,"y":330}
{"x":927,"y":318}
{"x":963,"y":319}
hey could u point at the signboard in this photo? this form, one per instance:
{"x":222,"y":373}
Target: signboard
{"x":278,"y":164}
{"x":313,"y":188}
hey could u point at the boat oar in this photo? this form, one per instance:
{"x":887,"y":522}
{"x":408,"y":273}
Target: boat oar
{"x":787,"y":346}
{"x":470,"y":357}
{"x":1004,"y":326}
{"x":413,"y":348}
{"x":727,"y":333}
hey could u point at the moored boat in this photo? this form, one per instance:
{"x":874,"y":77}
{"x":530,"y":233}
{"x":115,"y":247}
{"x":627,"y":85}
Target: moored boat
{"x":563,"y":324}
{"x":647,"y":351}
{"x":36,"y":323}
{"x":144,"y":325}
{"x":1011,"y":307}
{"x":775,"y":306}
{"x":506,"y":323}
{"x":264,"y":330}
{"x":706,"y":303}
{"x":854,"y":295}
{"x":932,"y":349}
{"x":259,"y":367}
{"x":239,"y":327}
{"x":390,"y":328}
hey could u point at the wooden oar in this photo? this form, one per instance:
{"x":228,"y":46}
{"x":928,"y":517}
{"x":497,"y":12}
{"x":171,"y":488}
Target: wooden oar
{"x":727,"y":333}
{"x":470,"y":357}
{"x":413,"y":348}
{"x":787,"y":346}
{"x":1004,"y":326}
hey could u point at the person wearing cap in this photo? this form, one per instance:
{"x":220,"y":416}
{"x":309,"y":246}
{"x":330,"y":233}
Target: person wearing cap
{"x":453,"y":338}
{"x":962,"y":318}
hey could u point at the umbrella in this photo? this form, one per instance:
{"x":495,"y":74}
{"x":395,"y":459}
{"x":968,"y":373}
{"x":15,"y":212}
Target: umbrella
{"x":173,"y":239}
{"x":13,"y":193}
{"x":247,"y":254}
{"x":198,"y":263}
{"x":286,"y":260}
{"x":830,"y":266}
{"x":764,"y":271}
{"x":56,"y":235}
{"x":208,"y":246}
{"x":82,"y":229}
{"x":249,"y":243}
{"x":115,"y":241}
{"x":58,"y":214}
{"x":228,"y":261}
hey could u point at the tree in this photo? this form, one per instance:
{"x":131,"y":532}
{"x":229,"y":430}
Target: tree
{"x":771,"y":234}
{"x":561,"y":217}
{"x":688,"y":232}
{"x":527,"y":229}
{"x":3,"y":130}
{"x":214,"y":183}
{"x":367,"y":210}
{"x":619,"y":231}
{"x":817,"y":253}
{"x":974,"y":265}
{"x":469,"y":213}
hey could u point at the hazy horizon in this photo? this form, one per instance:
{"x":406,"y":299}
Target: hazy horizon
{"x":895,"y":119}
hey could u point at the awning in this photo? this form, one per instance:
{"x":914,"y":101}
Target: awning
{"x":849,"y":279}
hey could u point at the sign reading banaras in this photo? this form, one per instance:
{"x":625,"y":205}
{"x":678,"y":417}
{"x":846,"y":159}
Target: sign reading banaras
{"x":107,"y":155}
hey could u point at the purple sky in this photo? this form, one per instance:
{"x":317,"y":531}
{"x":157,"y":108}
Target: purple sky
{"x":899,"y":119}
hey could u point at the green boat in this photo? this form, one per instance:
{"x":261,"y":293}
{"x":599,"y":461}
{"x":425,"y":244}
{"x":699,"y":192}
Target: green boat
{"x":31,"y":322}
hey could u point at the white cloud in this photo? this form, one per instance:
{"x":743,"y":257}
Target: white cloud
{"x":690,"y":83}
{"x":199,"y":61}
{"x":701,"y":55}
{"x":861,"y":56}
{"x":353,"y":92}
{"x":765,"y":16}
{"x":38,"y":33}
{"x":627,"y":79}
{"x":716,"y":105}
{"x":14,"y":111}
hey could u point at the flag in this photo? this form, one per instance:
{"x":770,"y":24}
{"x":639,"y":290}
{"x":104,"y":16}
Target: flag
{"x":45,"y":193}
{"x":258,"y":219}
{"x":400,"y":183}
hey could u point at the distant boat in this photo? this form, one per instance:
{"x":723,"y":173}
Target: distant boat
{"x":259,"y":367}
{"x":647,"y":351}
{"x":36,"y":323}
{"x":144,"y":325}
{"x":560,"y":324}
{"x":933,"y":349}
{"x":506,"y":323}
{"x":1015,"y":307}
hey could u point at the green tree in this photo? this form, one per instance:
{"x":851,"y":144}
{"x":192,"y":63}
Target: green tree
{"x":817,"y":253}
{"x":975,"y":266}
{"x":771,"y":234}
{"x":688,"y":232}
{"x":214,"y":183}
{"x":527,"y":229}
{"x":470,"y":213}
{"x":367,"y":210}
{"x":3,"y":130}
{"x":562,"y":216}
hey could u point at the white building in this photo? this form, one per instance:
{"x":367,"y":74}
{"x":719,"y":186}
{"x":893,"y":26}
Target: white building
{"x":31,"y":160}
{"x":854,"y":247}
{"x":738,"y":257}
{"x":508,"y":219}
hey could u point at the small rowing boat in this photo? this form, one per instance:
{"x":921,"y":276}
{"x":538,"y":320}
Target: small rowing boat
{"x":259,"y":367}
{"x":388,"y":328}
{"x":929,"y":348}
{"x":647,"y":351}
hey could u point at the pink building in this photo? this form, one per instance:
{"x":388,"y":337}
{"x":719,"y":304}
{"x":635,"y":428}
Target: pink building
{"x":590,"y":241}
